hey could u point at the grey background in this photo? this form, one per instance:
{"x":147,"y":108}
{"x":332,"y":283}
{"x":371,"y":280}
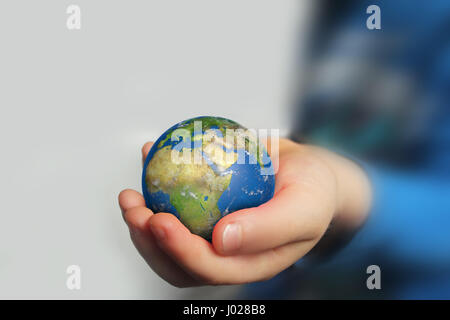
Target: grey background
{"x":76,"y":106}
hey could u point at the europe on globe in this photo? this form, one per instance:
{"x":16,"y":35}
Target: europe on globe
{"x":204,"y":168}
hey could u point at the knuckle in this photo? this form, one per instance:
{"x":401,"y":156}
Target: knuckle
{"x":129,"y":214}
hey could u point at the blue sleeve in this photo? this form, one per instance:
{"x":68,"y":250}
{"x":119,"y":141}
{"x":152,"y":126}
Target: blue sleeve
{"x":409,"y":222}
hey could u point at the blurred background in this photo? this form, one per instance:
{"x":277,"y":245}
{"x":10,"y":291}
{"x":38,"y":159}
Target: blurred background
{"x":76,"y":107}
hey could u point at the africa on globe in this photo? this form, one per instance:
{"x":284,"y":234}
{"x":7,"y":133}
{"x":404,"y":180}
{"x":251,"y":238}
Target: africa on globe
{"x":204,"y":168}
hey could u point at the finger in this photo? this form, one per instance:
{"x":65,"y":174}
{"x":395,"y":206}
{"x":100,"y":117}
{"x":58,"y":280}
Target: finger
{"x":136,"y":216}
{"x":137,"y":221}
{"x":297,"y":212}
{"x":197,"y":257}
{"x":129,"y":198}
{"x":145,"y":150}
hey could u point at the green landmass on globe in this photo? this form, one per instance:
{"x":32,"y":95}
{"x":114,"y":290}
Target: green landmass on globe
{"x":204,"y":168}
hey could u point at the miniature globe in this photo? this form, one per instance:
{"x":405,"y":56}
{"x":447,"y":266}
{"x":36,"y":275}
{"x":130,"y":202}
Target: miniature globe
{"x":204,"y":168}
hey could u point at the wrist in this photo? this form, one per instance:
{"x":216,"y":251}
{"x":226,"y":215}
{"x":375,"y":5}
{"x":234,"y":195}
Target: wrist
{"x":354,"y":192}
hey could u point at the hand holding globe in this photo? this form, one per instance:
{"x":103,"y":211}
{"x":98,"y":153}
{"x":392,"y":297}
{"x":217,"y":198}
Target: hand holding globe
{"x":312,"y":188}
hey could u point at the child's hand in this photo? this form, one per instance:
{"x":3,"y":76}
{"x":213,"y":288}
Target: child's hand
{"x":313,"y":187}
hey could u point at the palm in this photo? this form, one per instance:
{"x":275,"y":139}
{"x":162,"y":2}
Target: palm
{"x":274,"y":235}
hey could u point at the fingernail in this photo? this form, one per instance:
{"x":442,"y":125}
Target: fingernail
{"x":159,"y":233}
{"x":232,"y":237}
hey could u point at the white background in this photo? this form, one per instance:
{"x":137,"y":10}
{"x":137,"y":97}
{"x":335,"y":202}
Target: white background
{"x":76,"y":106}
